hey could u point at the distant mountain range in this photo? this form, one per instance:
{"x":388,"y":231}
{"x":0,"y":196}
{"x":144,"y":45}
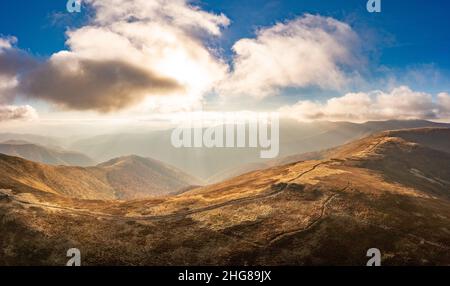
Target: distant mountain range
{"x":295,"y":138}
{"x":214,"y":165}
{"x":390,"y":190}
{"x":43,"y":154}
{"x":42,"y":140}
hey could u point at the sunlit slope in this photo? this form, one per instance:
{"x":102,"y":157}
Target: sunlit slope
{"x":133,"y":177}
{"x":123,"y":178}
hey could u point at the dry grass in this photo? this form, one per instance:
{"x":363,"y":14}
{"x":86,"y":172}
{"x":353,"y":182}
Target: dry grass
{"x":311,"y":213}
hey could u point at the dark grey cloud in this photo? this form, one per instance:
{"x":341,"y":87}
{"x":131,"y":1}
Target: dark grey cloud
{"x":77,"y":84}
{"x":13,"y":62}
{"x":92,"y":85}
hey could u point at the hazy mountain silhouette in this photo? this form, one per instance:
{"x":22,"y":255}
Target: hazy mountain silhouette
{"x":47,"y":141}
{"x":295,"y":138}
{"x":46,"y":155}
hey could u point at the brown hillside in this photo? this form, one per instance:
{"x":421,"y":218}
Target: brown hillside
{"x":382,"y":191}
{"x":123,"y":178}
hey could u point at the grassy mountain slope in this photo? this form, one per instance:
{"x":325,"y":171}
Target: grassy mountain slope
{"x":122,"y":178}
{"x":382,"y":191}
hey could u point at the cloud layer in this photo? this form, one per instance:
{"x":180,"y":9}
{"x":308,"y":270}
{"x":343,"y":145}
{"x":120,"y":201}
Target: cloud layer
{"x":89,"y":84}
{"x":12,"y":62}
{"x":308,"y":51}
{"x":12,"y":112}
{"x":401,"y":103}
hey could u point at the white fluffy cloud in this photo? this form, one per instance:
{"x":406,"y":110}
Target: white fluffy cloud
{"x":12,"y":112}
{"x":400,"y":103}
{"x":308,"y":51}
{"x":176,"y":13}
{"x":6,"y":43}
{"x":161,"y":35}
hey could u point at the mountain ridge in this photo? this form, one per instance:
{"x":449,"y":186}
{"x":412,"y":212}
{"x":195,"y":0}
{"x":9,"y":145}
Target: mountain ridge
{"x":42,"y":154}
{"x":97,"y":182}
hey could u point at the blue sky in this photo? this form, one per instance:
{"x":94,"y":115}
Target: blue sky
{"x":408,"y":43}
{"x":409,"y":33}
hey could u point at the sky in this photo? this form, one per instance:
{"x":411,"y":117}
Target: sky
{"x":128,"y":61}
